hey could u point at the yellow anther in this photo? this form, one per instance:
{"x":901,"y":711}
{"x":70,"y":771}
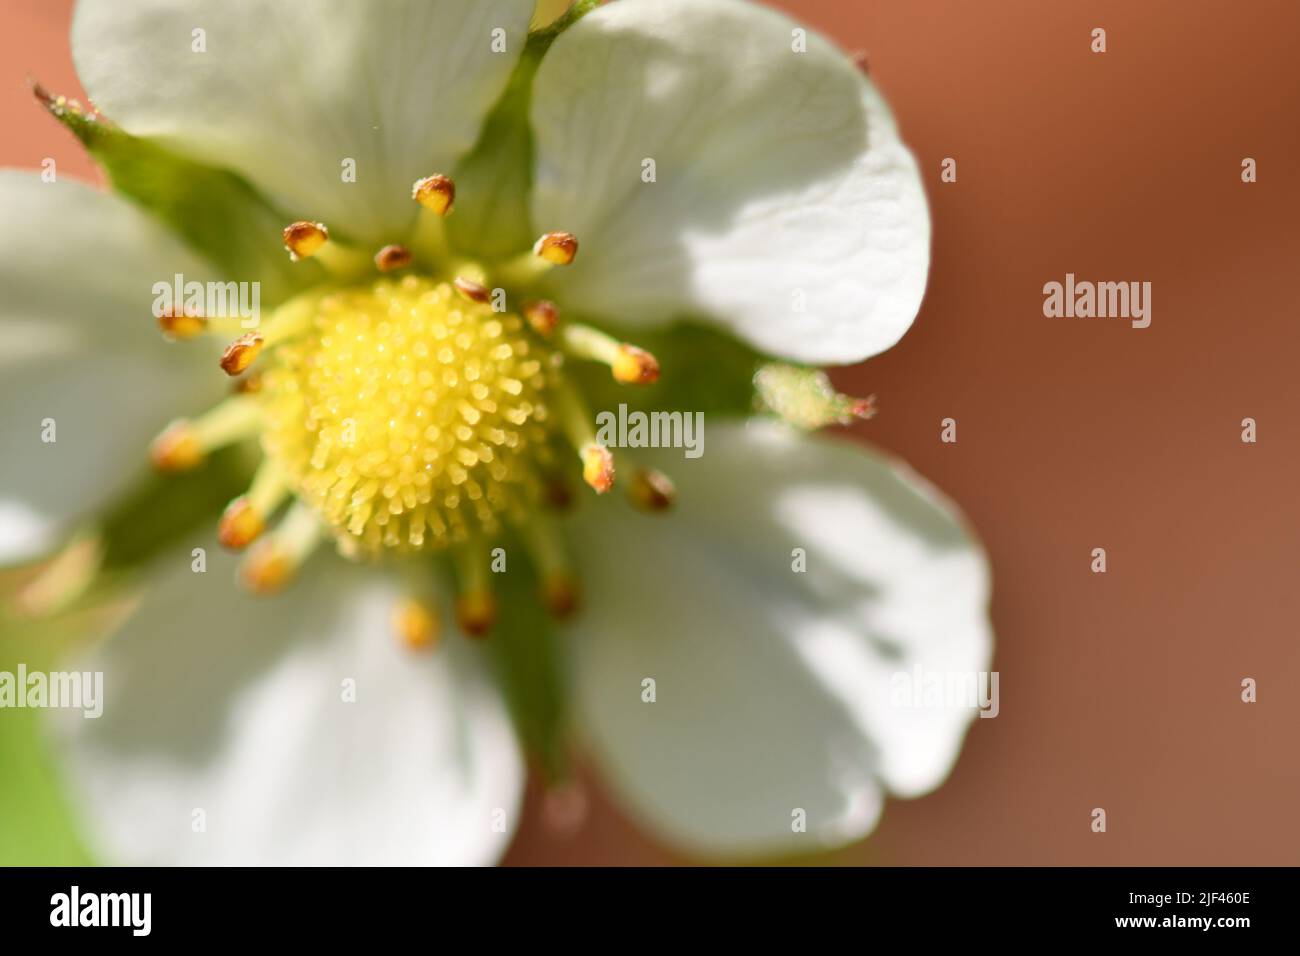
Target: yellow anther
{"x":392,"y":258}
{"x":267,"y":568}
{"x":416,"y":624}
{"x":543,"y":316}
{"x":304,"y":239}
{"x":435,"y":193}
{"x":275,"y":559}
{"x":182,"y":324}
{"x":241,"y":353}
{"x":177,"y":448}
{"x":651,"y":490}
{"x":185,"y":442}
{"x":476,"y":612}
{"x":634,"y":366}
{"x":474,"y":291}
{"x":628,"y":364}
{"x":598,"y":467}
{"x":557,"y":248}
{"x":559,"y":594}
{"x":240,"y":525}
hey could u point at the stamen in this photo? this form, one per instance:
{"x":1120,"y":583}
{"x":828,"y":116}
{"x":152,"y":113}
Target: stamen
{"x":274,"y":561}
{"x":651,"y":490}
{"x":543,"y":316}
{"x":476,"y":607}
{"x":560,"y":595}
{"x":245,"y":518}
{"x":392,"y":258}
{"x":435,"y":193}
{"x":240,"y":525}
{"x":634,"y":366}
{"x":182,"y":325}
{"x":185,"y":443}
{"x":550,"y":250}
{"x":436,"y":196}
{"x":578,"y":424}
{"x":474,"y":291}
{"x":545,"y":546}
{"x":176,"y":448}
{"x":557,"y":248}
{"x":476,"y":612}
{"x":311,"y":240}
{"x":416,"y":624}
{"x":241,"y":353}
{"x":628,"y":364}
{"x":598,"y":467}
{"x":304,"y":239}
{"x":288,"y":321}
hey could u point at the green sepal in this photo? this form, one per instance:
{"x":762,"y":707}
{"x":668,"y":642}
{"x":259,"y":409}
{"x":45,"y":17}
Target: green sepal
{"x":162,"y":510}
{"x":525,"y":648}
{"x":215,"y":212}
{"x":805,"y":397}
{"x":493,"y":183}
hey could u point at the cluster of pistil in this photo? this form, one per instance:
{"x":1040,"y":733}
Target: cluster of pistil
{"x":402,"y":410}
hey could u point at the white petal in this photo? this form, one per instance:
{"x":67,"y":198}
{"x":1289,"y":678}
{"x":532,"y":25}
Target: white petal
{"x":79,"y":347}
{"x":233,"y":705}
{"x":287,"y":92}
{"x":775,"y":689}
{"x":785,"y":206}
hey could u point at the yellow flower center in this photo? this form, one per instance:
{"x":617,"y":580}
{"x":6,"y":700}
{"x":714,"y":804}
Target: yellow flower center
{"x":418,"y":410}
{"x":408,"y":416}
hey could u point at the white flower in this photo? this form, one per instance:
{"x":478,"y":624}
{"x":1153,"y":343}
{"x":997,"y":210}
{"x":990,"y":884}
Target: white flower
{"x":296,"y":728}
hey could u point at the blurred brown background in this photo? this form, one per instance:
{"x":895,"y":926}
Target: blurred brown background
{"x":1119,"y":690}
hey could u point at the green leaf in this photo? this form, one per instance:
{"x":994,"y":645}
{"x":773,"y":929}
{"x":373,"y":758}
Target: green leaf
{"x":492,"y":217}
{"x":214,"y":211}
{"x":37,"y":826}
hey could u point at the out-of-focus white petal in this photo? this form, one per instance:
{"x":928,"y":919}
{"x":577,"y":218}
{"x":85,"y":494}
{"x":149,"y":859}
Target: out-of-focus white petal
{"x":81,"y":356}
{"x":288,"y":93}
{"x":238,"y":707}
{"x":776,"y":690}
{"x":784,"y":207}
